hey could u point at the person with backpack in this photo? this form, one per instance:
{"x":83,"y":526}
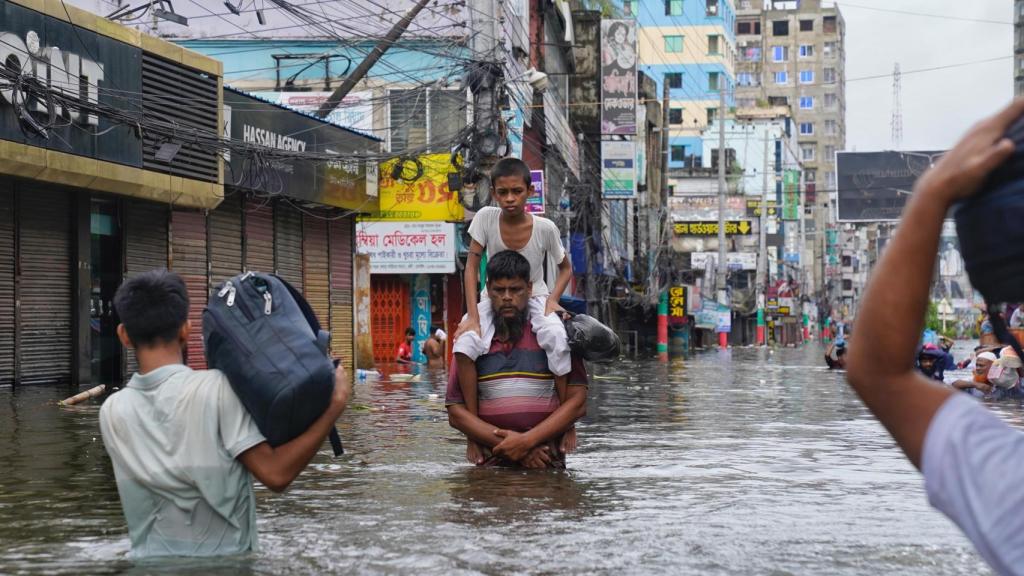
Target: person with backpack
{"x":183,"y":447}
{"x":972,"y":461}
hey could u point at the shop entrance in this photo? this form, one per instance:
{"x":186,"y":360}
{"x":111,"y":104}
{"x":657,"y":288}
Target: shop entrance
{"x":390,"y":314}
{"x":106,"y":275}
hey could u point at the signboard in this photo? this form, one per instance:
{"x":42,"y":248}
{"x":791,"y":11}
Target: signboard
{"x":415,"y":196}
{"x":724,"y":321}
{"x":791,"y":195}
{"x":875,"y":186}
{"x":420,"y":316}
{"x":618,"y":77}
{"x":407,"y":247}
{"x":791,"y":242}
{"x":355,"y":110}
{"x":618,"y":170}
{"x":79,"y":65}
{"x":341,"y":183}
{"x":705,"y":208}
{"x":677,"y":304}
{"x":707,"y":317}
{"x":733,"y":260}
{"x":732,"y":228}
{"x":535,"y":203}
{"x":754,"y":208}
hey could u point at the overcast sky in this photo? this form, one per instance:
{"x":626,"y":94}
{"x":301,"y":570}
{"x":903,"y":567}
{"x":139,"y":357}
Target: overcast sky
{"x":938,"y":106}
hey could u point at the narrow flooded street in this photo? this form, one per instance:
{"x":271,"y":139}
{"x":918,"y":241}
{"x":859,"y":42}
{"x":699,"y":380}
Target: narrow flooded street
{"x":742,"y":462}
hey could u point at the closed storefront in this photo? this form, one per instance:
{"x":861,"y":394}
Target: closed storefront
{"x":145,"y":247}
{"x":288,"y":243}
{"x":315,"y":268}
{"x":341,"y":253}
{"x":225,"y":240}
{"x":7,"y":225}
{"x":259,"y":235}
{"x":44,"y":286}
{"x":189,"y":259}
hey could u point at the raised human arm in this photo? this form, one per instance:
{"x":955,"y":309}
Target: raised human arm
{"x":276,"y":467}
{"x":881,"y":364}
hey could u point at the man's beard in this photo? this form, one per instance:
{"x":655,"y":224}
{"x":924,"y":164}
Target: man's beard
{"x":510,"y":329}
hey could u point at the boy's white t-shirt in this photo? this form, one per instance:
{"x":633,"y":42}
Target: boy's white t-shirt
{"x":174,"y":435}
{"x":545,"y":240}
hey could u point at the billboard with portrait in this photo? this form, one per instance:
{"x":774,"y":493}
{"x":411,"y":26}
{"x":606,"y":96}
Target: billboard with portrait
{"x":618,"y":76}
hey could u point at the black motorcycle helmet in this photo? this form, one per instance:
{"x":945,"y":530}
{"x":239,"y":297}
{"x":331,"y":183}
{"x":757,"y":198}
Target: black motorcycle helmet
{"x":991,"y":229}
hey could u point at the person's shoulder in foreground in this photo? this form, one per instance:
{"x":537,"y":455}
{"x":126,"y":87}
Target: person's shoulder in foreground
{"x":972,"y":461}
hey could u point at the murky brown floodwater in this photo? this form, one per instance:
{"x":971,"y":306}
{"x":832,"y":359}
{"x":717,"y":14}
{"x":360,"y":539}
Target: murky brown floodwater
{"x":728,"y":463}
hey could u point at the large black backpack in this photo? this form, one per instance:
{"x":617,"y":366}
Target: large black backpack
{"x":263,"y":335}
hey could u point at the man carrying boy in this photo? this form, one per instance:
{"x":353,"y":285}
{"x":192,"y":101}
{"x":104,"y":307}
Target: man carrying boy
{"x":524,"y":408}
{"x":184,"y":449}
{"x":508,"y":226}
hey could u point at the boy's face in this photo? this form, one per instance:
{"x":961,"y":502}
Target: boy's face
{"x":510,"y":193}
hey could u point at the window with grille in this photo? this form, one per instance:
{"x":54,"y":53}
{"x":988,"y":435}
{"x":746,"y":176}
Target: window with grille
{"x":675,"y":115}
{"x":423,"y":119}
{"x":807,"y":152}
{"x":831,"y":101}
{"x":830,"y":75}
{"x":674,"y":79}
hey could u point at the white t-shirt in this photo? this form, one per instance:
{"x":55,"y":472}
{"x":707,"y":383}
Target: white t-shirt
{"x":173,"y":435}
{"x":545,"y":239}
{"x":973,"y":465}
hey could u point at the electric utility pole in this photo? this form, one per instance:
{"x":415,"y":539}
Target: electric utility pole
{"x":762,"y":255}
{"x":722,"y":267}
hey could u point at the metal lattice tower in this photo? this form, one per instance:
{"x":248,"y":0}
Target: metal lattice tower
{"x":896,"y":125}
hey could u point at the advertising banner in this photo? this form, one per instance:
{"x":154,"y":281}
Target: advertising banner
{"x":791,"y":195}
{"x":618,"y":76}
{"x":874,"y":186}
{"x":420,"y":192}
{"x":733,"y":260}
{"x":754,"y":208}
{"x":535,"y":203}
{"x":618,"y":170}
{"x":704,"y":208}
{"x":677,"y":304}
{"x":407,"y":247}
{"x":732,"y":228}
{"x":420,"y":316}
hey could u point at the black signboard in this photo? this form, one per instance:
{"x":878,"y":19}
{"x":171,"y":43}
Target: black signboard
{"x":58,"y":58}
{"x":875,"y":186}
{"x":261,"y":125}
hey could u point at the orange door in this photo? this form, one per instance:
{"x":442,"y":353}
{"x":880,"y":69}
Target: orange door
{"x":390,"y":315}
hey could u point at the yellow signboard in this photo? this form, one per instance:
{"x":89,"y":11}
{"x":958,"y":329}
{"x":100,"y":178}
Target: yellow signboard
{"x":421,"y":190}
{"x":677,"y":302}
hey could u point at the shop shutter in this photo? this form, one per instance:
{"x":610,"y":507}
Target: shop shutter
{"x":6,"y":283}
{"x":44,"y":286}
{"x":188,"y":258}
{"x":258,"y":218}
{"x":340,"y":251}
{"x":288,"y":243}
{"x":390,"y":315}
{"x":145,"y":238}
{"x":315,"y":268}
{"x":225,"y":240}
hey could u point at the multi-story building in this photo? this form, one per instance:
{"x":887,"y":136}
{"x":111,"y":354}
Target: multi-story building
{"x":1018,"y":47}
{"x":793,"y":53}
{"x":690,"y":44}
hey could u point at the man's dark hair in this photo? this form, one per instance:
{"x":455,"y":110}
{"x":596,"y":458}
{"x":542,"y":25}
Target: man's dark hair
{"x":508,"y":265}
{"x":511,"y":167}
{"x":409,"y":331}
{"x":153,"y":307}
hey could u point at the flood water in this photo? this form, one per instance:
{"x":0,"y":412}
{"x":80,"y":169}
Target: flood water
{"x":740,"y":462}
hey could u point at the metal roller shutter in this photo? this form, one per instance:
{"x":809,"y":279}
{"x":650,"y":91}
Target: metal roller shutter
{"x":315,"y":268}
{"x":340,"y":252}
{"x":6,"y":282}
{"x":259,"y":235}
{"x":145,"y":239}
{"x":44,"y":286}
{"x":225,"y":240}
{"x":188,"y":258}
{"x":288,"y":244}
